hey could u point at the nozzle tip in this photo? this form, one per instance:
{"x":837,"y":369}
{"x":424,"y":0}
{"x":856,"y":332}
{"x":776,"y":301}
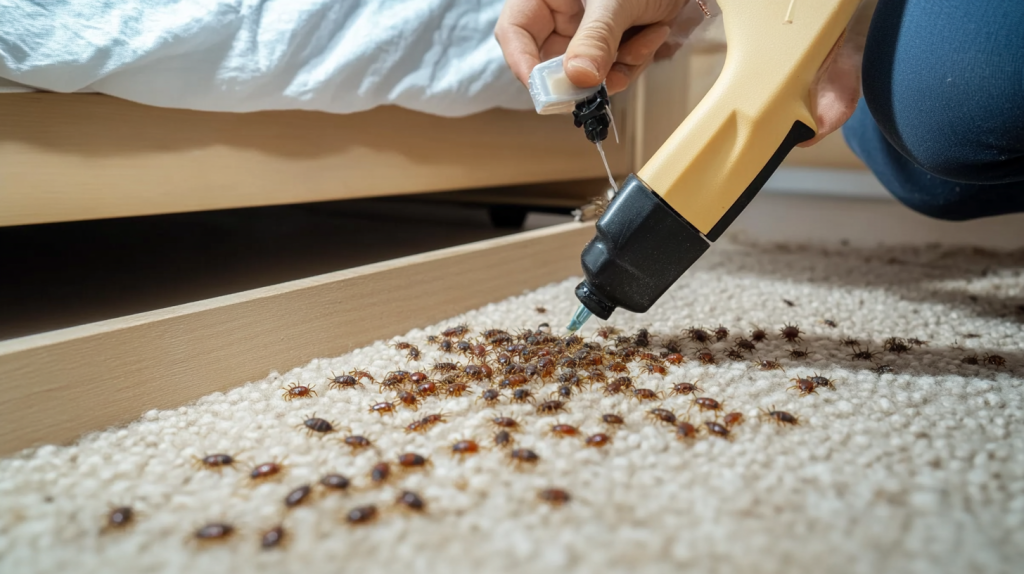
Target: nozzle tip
{"x":581,"y":316}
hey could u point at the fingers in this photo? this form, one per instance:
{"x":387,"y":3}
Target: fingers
{"x":642,"y":46}
{"x":591,"y":52}
{"x":836,"y":90}
{"x":520,"y":30}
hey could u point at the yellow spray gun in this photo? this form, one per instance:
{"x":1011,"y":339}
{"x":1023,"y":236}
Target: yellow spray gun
{"x":665,"y":216}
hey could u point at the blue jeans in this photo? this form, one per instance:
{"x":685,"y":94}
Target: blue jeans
{"x":941,"y":123}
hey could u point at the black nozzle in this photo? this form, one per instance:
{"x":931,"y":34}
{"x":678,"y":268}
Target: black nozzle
{"x":593,"y":116}
{"x":641,"y":248}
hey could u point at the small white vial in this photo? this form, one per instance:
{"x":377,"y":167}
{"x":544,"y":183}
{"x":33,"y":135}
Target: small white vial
{"x":551,"y":90}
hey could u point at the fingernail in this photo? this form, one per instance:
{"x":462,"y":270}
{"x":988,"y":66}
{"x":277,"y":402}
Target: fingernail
{"x":584,"y":64}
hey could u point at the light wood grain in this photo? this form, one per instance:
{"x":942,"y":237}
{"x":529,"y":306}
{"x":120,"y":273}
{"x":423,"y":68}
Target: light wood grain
{"x":67,"y":157}
{"x":58,"y":385}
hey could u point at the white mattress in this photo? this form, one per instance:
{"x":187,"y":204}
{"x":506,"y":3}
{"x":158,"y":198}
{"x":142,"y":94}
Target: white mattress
{"x":435,"y":56}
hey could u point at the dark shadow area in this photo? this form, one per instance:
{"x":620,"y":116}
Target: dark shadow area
{"x":66,"y":274}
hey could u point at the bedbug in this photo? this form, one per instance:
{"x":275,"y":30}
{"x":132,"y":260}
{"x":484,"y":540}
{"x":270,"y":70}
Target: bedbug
{"x":685,"y":430}
{"x":335,"y":481}
{"x":520,"y":456}
{"x":413,"y":460}
{"x":413,"y":353}
{"x":394,"y":379}
{"x":505,"y":422}
{"x":297,"y":391}
{"x":456,"y":332}
{"x":465,"y":447}
{"x":490,"y":396}
{"x":400,"y":345}
{"x":563,"y":430}
{"x":662,"y":415}
{"x":562,"y":392}
{"x":120,"y":517}
{"x":895,"y":345}
{"x":673,"y":346}
{"x":734,"y":354}
{"x":883,"y":369}
{"x":522,"y":396}
{"x":780,"y":417}
{"x":820,"y":381}
{"x":745,"y":344}
{"x":612,"y":419}
{"x":315,"y":424}
{"x":732,"y":419}
{"x":408,"y":399}
{"x":361,"y":514}
{"x":863,"y":355}
{"x":551,"y":407}
{"x":360,"y":375}
{"x":914,"y":341}
{"x":272,"y":538}
{"x":411,"y":500}
{"x":597,"y":440}
{"x":717,"y":429}
{"x":830,"y":323}
{"x":606,"y":331}
{"x":297,"y":496}
{"x":546,"y":368}
{"x":721,"y":333}
{"x":758,"y":335}
{"x":849,"y":342}
{"x":214,"y":461}
{"x":554,"y":496}
{"x":686,"y":388}
{"x":358,"y":441}
{"x":646,"y":395}
{"x":463,"y":348}
{"x":265,"y":470}
{"x":567,"y":363}
{"x":618,"y":367}
{"x":445,"y":368}
{"x":426,"y":389}
{"x":805,"y":386}
{"x":790,"y":333}
{"x":382,"y":408}
{"x":970,"y":360}
{"x":445,"y":345}
{"x":418,"y":378}
{"x":798,"y":354}
{"x":654,"y":369}
{"x":343,"y":382}
{"x":475,"y":372}
{"x":380,"y":472}
{"x":705,"y":356}
{"x":675,"y":358}
{"x":706,"y":404}
{"x":698,"y":335}
{"x":426,"y":422}
{"x":456,"y":389}
{"x":994,"y":360}
{"x":502,"y":439}
{"x":214,"y":531}
{"x":769,"y":365}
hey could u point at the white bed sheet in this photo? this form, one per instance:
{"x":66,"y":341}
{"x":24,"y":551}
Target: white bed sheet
{"x":341,"y":56}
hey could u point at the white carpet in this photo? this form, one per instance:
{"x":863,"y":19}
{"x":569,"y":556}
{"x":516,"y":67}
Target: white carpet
{"x":921,"y":470}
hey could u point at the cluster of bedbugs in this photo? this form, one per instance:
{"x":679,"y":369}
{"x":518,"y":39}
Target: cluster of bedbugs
{"x":498,"y":367}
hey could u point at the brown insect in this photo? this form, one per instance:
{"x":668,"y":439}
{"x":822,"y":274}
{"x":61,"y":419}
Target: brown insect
{"x":477,"y":372}
{"x":380,"y":472}
{"x":214,"y":461}
{"x":463,"y":348}
{"x":418,"y":378}
{"x":798,"y":354}
{"x":745,"y":344}
{"x":780,"y":417}
{"x":734,"y":354}
{"x":335,"y":481}
{"x":490,"y":396}
{"x":357,"y":441}
{"x":721,"y":333}
{"x":675,"y":358}
{"x":214,"y":531}
{"x":863,"y":355}
{"x":297,"y":391}
{"x":120,"y":517}
{"x":413,"y":460}
{"x":995,"y":360}
{"x":698,"y":335}
{"x":465,"y":447}
{"x":849,"y":342}
{"x":805,"y":386}
{"x":502,"y":439}
{"x":686,"y":388}
{"x":895,"y":345}
{"x":732,"y":419}
{"x":830,"y":323}
{"x":272,"y":538}
{"x":597,"y":440}
{"x":426,"y":389}
{"x":563,"y":430}
{"x":685,"y":430}
{"x":456,"y":332}
{"x":343,"y":382}
{"x":612,"y":419}
{"x":425,"y":423}
{"x":705,"y":356}
{"x":411,"y":500}
{"x":662,"y":415}
{"x":758,"y":335}
{"x":413,"y":353}
{"x":408,"y":399}
{"x":562,"y":392}
{"x":654,"y":369}
{"x":789,"y":303}
{"x":522,"y":396}
{"x":706,"y":404}
{"x":646,"y":395}
{"x":445,"y":345}
{"x":914,"y":341}
{"x":554,"y":496}
{"x":616,"y":387}
{"x":769,"y":365}
{"x":265,"y":470}
{"x":401,"y":345}
{"x":970,"y":360}
{"x":445,"y":368}
{"x":618,"y":367}
{"x":717,"y":429}
{"x":315,"y":424}
{"x":514,"y":381}
{"x":383,"y":408}
{"x":394,"y":379}
{"x":361,"y":514}
{"x":820,"y":381}
{"x":297,"y":496}
{"x":551,"y":407}
{"x":456,"y":389}
{"x":505,"y":422}
{"x":520,"y":456}
{"x":790,"y":333}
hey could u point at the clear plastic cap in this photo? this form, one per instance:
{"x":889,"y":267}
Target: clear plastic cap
{"x":551,"y":90}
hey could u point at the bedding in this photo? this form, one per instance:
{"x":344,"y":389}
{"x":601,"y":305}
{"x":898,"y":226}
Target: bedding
{"x":340,"y":56}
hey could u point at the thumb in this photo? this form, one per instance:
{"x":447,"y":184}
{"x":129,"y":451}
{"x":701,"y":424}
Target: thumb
{"x":591,"y":52}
